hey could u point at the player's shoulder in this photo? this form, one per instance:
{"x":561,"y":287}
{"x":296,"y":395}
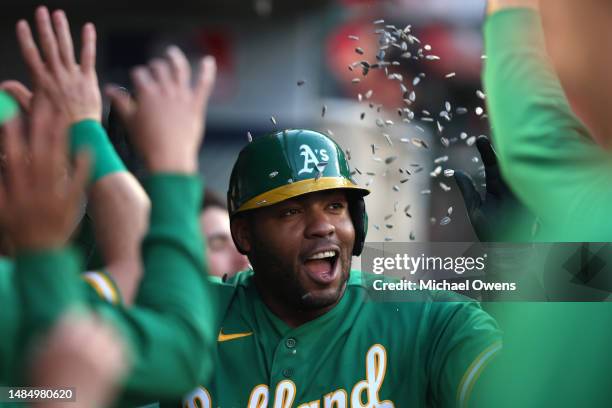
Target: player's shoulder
{"x":225,"y":289}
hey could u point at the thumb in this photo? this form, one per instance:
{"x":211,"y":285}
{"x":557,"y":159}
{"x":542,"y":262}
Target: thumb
{"x":470,"y":195}
{"x":20,"y":92}
{"x":121,"y":102}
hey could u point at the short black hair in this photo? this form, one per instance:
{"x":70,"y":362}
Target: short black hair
{"x":212,"y":199}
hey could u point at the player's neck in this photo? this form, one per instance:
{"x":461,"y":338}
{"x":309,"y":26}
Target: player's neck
{"x":290,"y":315}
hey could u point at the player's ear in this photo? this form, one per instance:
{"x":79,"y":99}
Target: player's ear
{"x":241,"y":234}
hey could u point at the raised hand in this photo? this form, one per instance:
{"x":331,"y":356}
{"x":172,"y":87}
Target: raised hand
{"x":39,"y":195}
{"x":166,"y":118}
{"x":499,"y":216}
{"x":81,"y":352}
{"x":71,"y":86}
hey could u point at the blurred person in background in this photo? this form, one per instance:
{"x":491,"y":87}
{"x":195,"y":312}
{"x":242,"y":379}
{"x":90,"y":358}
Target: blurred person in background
{"x":170,"y":320}
{"x":223,"y":258}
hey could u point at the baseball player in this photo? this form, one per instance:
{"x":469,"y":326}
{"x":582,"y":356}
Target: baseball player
{"x":546,"y":153}
{"x":298,"y":330}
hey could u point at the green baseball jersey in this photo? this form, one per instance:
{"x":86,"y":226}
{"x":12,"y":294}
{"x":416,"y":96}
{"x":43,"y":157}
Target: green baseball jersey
{"x":362,"y":353}
{"x":545,"y":152}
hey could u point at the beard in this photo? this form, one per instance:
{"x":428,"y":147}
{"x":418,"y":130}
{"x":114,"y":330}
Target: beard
{"x":280,"y":279}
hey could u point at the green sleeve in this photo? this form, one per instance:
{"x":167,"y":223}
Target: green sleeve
{"x":47,"y":285}
{"x":545,"y":152}
{"x":462,"y":341}
{"x":171,"y":325}
{"x":90,"y":134}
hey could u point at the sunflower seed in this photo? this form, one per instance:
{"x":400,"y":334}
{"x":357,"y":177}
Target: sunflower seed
{"x":427,"y":47}
{"x":463,"y":136}
{"x":371,"y":173}
{"x":420,"y":129}
{"x":356,"y":80}
{"x":389,"y":122}
{"x":388,"y":139}
{"x":389,"y":226}
{"x":419,"y":142}
{"x":301,"y":82}
{"x":470,"y":140}
{"x":348,"y":154}
{"x":402,"y":181}
{"x":273,"y":120}
{"x":373,"y":146}
{"x":412,"y":96}
{"x":362,"y":115}
{"x":390,"y":159}
{"x":249,"y":137}
{"x":376,"y":226}
{"x":353,"y":37}
{"x":440,"y":127}
{"x":427,"y":119}
{"x":412,"y":237}
{"x":450,"y":210}
{"x":445,"y":221}
{"x":478,"y":110}
{"x":358,"y":171}
{"x":475,"y":159}
{"x":359,"y":50}
{"x":359,"y":97}
{"x":368,"y":94}
{"x":381,"y":21}
{"x":447,"y":106}
{"x":440,"y":159}
{"x":444,"y":141}
{"x":404,"y":140}
{"x":449,"y":172}
{"x":330,"y":133}
{"x":432,"y":57}
{"x":436,"y":172}
{"x":388,"y":216}
{"x":323,"y":110}
{"x":273,"y":174}
{"x":416,"y":81}
{"x":450,"y":75}
{"x":396,"y":188}
{"x":480,"y":94}
{"x":425,"y":192}
{"x":444,"y":187}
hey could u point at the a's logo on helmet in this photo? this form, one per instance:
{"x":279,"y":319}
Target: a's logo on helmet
{"x":311,"y":159}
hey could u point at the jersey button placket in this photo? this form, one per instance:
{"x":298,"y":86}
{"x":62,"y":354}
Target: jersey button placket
{"x":291,"y":343}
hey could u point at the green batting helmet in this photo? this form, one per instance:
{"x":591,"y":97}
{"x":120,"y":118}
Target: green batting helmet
{"x":287,"y":164}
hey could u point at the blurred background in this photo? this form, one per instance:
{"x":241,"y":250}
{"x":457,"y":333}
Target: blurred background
{"x":395,"y":83}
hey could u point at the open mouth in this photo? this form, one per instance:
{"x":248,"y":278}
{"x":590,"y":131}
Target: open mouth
{"x":322,"y":266}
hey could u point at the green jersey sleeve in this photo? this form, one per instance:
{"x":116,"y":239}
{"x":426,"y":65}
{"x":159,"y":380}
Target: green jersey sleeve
{"x":171,"y":326}
{"x":464,"y":339}
{"x":545,"y":152}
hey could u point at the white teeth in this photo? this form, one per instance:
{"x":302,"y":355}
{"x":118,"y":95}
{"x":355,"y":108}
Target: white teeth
{"x":322,"y":255}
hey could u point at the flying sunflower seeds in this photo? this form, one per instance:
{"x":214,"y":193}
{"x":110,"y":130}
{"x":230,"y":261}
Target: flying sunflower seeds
{"x":449,"y":172}
{"x":390,"y":160}
{"x":353,"y":37}
{"x":480,"y":94}
{"x":396,"y":188}
{"x":450,"y":75}
{"x":249,"y":137}
{"x":323,"y":110}
{"x":301,"y":82}
{"x":273,"y":120}
{"x":359,"y":50}
{"x":444,"y":187}
{"x":445,"y":221}
{"x":273,"y":174}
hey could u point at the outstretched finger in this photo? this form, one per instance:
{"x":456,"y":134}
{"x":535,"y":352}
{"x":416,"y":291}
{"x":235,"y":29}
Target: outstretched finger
{"x":471,"y":197}
{"x":160,"y":69}
{"x":16,"y":173}
{"x":88,"y":48}
{"x":29,"y":51}
{"x":121,"y":101}
{"x":487,"y":153}
{"x":20,"y":92}
{"x":181,"y":70}
{"x":206,"y":81}
{"x":64,"y":38}
{"x":48,"y":41}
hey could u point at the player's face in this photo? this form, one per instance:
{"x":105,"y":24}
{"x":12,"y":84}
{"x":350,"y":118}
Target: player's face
{"x":222,"y":256}
{"x":301,"y":249}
